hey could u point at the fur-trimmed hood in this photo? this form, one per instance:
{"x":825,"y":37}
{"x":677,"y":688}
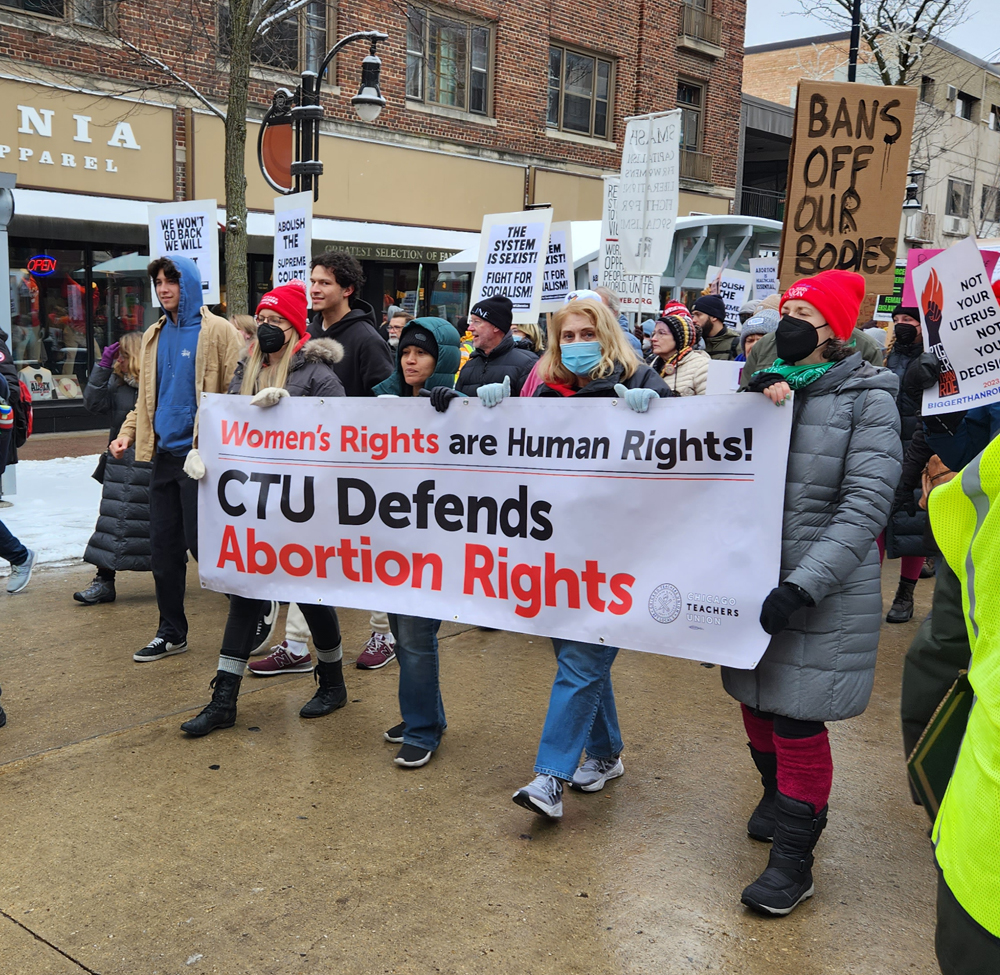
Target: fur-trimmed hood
{"x":328,"y":351}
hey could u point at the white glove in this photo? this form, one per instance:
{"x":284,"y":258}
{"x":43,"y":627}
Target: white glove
{"x":194,"y":467}
{"x":636,"y":399}
{"x":268,"y":396}
{"x":383,"y":395}
{"x":492,"y":394}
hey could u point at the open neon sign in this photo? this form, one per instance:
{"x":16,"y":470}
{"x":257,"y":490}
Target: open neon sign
{"x":41,"y":265}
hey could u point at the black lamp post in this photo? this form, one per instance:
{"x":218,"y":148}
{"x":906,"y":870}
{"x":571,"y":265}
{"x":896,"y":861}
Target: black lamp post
{"x":298,"y":114}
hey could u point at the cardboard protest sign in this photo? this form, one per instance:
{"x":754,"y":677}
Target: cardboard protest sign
{"x":637,"y":292}
{"x":734,"y":290}
{"x":189,"y":229}
{"x":764,"y":271}
{"x":512,"y":252}
{"x":486,"y":516}
{"x":921,"y":256}
{"x":292,"y":238}
{"x":886,"y":305}
{"x":649,"y":191}
{"x":847,"y":181}
{"x":557,"y":281}
{"x":961,"y":326}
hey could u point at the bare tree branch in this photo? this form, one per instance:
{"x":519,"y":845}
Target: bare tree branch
{"x":268,"y":22}
{"x":173,"y":74}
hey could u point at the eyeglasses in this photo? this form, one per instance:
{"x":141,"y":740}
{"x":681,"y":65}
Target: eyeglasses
{"x":661,"y":331}
{"x":276,"y":322}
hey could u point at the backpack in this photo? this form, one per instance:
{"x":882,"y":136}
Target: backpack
{"x":23,"y":415}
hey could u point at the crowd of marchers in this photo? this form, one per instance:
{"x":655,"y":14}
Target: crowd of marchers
{"x":856,"y":482}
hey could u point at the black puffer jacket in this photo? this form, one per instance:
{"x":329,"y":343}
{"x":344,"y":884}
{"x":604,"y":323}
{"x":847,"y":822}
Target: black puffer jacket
{"x":505,"y":360}
{"x":9,"y":371}
{"x":121,"y":538}
{"x":367,"y":359}
{"x":644,"y":377}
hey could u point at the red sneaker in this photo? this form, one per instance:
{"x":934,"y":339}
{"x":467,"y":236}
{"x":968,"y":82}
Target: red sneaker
{"x":281,"y":661}
{"x":378,"y":651}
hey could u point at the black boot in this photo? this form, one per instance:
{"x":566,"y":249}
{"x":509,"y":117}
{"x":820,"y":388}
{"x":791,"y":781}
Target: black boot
{"x":331,"y":693}
{"x":902,"y":605}
{"x":99,"y":591}
{"x":221,"y":710}
{"x":760,"y":826}
{"x":787,"y":881}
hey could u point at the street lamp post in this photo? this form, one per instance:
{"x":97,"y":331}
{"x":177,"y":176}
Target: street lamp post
{"x":288,"y":140}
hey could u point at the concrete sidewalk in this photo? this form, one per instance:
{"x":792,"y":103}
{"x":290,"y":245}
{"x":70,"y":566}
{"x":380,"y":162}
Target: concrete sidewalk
{"x":291,"y":846}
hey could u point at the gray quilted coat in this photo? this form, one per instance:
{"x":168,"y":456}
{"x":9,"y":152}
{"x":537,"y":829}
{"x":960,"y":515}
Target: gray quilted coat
{"x":843,"y":466}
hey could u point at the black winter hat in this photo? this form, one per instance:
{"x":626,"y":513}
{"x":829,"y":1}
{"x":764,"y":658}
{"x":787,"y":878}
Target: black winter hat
{"x":913,"y":312}
{"x":497,"y":310}
{"x":711,"y":305}
{"x":420,"y":337}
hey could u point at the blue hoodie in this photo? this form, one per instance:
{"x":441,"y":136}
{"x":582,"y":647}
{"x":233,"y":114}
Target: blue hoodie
{"x":176,"y":354}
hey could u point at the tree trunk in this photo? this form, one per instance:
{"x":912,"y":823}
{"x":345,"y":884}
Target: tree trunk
{"x":237,"y":280}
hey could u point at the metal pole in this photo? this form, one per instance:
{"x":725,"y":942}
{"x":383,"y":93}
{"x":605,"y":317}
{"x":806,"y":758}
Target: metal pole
{"x":852,"y":57}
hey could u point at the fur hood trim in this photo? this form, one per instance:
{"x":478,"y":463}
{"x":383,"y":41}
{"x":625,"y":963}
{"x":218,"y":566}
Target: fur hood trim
{"x":328,"y":351}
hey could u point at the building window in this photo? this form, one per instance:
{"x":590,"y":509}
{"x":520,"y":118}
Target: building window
{"x":927,"y":90}
{"x":580,"y":87}
{"x":995,"y":118}
{"x":691,"y":101}
{"x":959,"y":198}
{"x":447,"y":61}
{"x":297,"y":43}
{"x":990,"y":209}
{"x":48,"y":8}
{"x":965,"y":105}
{"x":699,"y":5}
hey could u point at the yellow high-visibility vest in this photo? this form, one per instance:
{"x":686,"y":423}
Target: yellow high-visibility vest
{"x":965,"y":515}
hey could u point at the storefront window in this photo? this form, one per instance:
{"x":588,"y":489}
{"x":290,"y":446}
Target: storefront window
{"x":450,"y":296}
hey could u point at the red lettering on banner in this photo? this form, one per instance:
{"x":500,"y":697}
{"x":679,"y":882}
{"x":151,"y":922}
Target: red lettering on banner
{"x":619,"y":586}
{"x":381,"y":445}
{"x":554,"y":576}
{"x":253,"y":548}
{"x":402,"y":568}
{"x":437,"y":570}
{"x":478,"y":573}
{"x":233,"y":432}
{"x":533,"y":595}
{"x":230,"y":550}
{"x":285,"y":558}
{"x":322,"y":554}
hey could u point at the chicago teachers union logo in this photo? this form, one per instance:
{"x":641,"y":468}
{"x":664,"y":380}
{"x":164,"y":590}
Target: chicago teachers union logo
{"x":665,"y":603}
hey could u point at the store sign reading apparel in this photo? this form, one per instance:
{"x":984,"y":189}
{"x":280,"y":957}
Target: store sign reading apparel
{"x":513,"y":517}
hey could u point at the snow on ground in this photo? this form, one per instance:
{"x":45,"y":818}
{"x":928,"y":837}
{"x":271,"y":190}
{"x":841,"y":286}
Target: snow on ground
{"x":55,"y":508}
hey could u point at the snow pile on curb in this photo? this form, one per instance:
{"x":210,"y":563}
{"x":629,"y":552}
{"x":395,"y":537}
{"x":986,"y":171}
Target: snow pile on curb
{"x":55,"y":508}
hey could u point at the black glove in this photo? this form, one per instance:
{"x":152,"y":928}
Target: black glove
{"x":904,"y":501}
{"x":945,"y":424}
{"x":762,"y":380}
{"x":927,"y":370}
{"x":441,"y":397}
{"x":781,"y":602}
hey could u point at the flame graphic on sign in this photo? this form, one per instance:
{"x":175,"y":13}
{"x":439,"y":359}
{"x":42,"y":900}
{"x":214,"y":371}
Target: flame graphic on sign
{"x":933,"y":292}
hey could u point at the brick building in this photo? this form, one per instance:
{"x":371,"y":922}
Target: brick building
{"x":490,"y":107}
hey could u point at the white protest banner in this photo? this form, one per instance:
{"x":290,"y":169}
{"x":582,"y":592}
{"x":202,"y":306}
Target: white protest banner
{"x":723,"y":377}
{"x":764,"y":272}
{"x":558,"y":278}
{"x":292,"y":238}
{"x":189,"y":229}
{"x":512,"y":252}
{"x":961,"y":322}
{"x":649,"y":191}
{"x":734,"y":290}
{"x":637,"y":292}
{"x":534,"y":516}
{"x":594,"y":274}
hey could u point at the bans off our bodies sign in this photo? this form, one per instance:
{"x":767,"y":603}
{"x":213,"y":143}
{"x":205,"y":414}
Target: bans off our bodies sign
{"x":533,"y":516}
{"x":846,"y":181}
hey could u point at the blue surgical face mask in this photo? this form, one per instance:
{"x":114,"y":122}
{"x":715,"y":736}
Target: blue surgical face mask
{"x":581,"y":358}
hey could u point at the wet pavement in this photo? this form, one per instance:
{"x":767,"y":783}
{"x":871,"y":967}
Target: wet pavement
{"x":290,"y":846}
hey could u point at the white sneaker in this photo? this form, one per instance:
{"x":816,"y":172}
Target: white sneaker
{"x":20,"y":575}
{"x":594,"y":772}
{"x":543,"y":795}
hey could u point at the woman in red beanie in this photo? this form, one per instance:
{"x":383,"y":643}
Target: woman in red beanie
{"x":282,"y":361}
{"x":824,"y":616}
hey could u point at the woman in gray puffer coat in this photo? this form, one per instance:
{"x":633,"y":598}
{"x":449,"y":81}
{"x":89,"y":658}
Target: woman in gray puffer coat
{"x":120,"y":542}
{"x":824,"y":616}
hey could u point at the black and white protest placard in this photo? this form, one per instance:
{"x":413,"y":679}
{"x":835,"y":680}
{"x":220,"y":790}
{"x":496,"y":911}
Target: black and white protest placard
{"x":292,"y":238}
{"x":764,"y":272}
{"x":189,"y":229}
{"x":638,"y":292}
{"x":734,"y":290}
{"x":558,"y":278}
{"x":961,"y":320}
{"x":512,"y":251}
{"x":648,"y":191}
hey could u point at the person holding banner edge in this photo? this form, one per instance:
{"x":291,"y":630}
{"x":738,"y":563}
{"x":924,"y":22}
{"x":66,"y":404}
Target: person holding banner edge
{"x":824,"y":615}
{"x":283,"y":361}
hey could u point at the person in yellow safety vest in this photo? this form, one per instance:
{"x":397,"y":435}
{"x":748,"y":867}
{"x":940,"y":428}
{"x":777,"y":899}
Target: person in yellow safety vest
{"x":965,"y":516}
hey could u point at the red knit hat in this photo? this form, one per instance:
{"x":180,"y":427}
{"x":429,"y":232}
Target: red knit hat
{"x":288,"y":301}
{"x":837,"y":295}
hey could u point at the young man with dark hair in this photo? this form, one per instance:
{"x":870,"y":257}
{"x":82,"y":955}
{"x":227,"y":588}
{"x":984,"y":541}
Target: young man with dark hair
{"x":186,"y":353}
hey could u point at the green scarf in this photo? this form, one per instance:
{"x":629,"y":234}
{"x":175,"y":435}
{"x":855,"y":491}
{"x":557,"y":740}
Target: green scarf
{"x":798,"y":377}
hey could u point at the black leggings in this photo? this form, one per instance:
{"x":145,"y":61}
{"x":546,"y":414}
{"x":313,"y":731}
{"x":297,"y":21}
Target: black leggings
{"x":790,"y":727}
{"x":242,"y":622}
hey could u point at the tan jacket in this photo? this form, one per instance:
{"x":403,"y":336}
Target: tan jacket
{"x":219,"y":348}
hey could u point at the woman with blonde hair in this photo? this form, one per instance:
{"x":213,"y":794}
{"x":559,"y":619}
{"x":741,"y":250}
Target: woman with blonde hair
{"x":528,"y":336}
{"x":121,"y":538}
{"x":246,"y":325}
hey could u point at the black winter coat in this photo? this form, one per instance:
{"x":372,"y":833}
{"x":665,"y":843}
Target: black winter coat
{"x":645,"y":377}
{"x":312,"y":372}
{"x":9,"y":371}
{"x":367,"y":358}
{"x":505,"y":360}
{"x":121,"y":538}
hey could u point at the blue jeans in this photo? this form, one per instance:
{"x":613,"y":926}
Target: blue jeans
{"x":582,"y":711}
{"x":10,"y":548}
{"x":419,"y":687}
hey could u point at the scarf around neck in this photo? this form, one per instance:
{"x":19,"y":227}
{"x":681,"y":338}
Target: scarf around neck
{"x":798,"y":377}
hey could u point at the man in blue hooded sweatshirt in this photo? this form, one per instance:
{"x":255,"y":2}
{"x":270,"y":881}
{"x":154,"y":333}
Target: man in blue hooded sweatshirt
{"x":186,"y":353}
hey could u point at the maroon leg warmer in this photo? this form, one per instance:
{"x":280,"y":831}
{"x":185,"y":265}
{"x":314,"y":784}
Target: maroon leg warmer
{"x":805,"y":768}
{"x":760,"y":731}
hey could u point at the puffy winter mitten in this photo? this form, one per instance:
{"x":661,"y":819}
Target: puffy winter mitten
{"x":194,"y":467}
{"x":903,"y":501}
{"x":268,"y":396}
{"x":761,"y":380}
{"x":927,"y":371}
{"x":492,"y":394}
{"x":781,"y":602}
{"x":441,"y":397}
{"x":109,"y":355}
{"x":636,"y":399}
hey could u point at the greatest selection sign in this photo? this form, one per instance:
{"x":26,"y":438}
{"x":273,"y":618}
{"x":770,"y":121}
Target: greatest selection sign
{"x":583,"y":520}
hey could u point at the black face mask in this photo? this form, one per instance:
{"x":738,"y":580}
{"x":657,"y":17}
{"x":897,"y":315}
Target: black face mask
{"x":906,"y":334}
{"x":796,"y":339}
{"x":270,"y":338}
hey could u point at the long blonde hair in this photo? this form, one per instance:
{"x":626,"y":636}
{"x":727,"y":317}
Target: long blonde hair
{"x":615,"y":349}
{"x":275,"y":373}
{"x":129,"y":353}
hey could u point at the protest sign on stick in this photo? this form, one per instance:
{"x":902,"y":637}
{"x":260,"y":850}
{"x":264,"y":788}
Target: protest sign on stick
{"x":847,"y":181}
{"x":637,"y":292}
{"x":733,"y":288}
{"x":764,"y":271}
{"x":886,"y":305}
{"x":557,"y":281}
{"x":189,"y":229}
{"x":292,"y":238}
